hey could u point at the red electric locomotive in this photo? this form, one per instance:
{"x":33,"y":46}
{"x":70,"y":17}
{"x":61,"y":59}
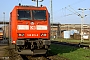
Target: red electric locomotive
{"x":30,"y":29}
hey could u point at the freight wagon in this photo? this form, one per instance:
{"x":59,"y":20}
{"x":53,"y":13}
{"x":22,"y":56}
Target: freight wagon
{"x":5,"y":31}
{"x":1,"y":34}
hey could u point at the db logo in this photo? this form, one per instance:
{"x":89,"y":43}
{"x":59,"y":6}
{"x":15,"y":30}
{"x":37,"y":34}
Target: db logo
{"x":32,"y":27}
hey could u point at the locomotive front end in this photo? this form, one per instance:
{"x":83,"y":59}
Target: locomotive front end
{"x":30,"y":29}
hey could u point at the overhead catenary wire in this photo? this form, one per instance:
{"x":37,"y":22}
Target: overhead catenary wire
{"x":64,"y":13}
{"x":69,"y":8}
{"x":73,"y":11}
{"x":77,"y":2}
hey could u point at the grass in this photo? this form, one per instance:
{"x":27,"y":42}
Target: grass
{"x":72,"y":40}
{"x":70,"y":52}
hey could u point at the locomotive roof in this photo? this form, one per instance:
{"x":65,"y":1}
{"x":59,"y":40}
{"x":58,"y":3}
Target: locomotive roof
{"x":30,"y":7}
{"x":26,"y":6}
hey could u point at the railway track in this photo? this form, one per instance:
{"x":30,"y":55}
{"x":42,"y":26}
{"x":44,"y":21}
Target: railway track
{"x":75,"y":44}
{"x":53,"y":57}
{"x":25,"y":57}
{"x":15,"y":56}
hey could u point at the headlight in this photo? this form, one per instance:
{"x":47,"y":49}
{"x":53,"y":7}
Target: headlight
{"x":43,"y":34}
{"x":20,"y":34}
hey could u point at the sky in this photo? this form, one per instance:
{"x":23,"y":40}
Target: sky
{"x":64,"y":11}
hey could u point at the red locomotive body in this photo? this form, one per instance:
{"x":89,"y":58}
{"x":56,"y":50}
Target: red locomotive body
{"x":30,"y":29}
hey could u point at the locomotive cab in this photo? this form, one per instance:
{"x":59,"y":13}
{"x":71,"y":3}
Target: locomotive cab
{"x":30,"y":29}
